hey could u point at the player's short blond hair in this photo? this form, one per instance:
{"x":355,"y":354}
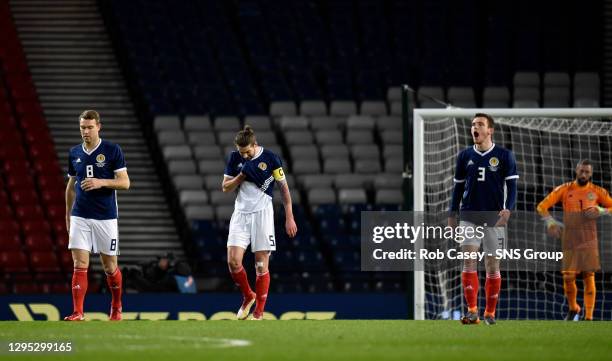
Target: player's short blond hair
{"x":90,"y":114}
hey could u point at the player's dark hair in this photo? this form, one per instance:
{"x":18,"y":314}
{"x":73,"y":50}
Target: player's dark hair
{"x":490,"y":121}
{"x":90,"y":114}
{"x":585,"y":162}
{"x":245,"y":137}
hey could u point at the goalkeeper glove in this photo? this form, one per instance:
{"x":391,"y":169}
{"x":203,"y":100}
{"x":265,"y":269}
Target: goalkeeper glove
{"x":550,"y":221}
{"x":602,"y":211}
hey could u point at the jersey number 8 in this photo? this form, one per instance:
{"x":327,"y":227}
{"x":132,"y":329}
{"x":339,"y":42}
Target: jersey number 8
{"x":89,"y":171}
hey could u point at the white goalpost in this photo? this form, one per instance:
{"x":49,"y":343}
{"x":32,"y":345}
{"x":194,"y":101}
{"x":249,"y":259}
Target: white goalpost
{"x":547,"y":143}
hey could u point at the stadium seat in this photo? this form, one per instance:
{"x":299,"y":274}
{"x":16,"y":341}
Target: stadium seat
{"x":364,"y":122}
{"x":282,"y":108}
{"x":38,"y":242}
{"x":390,"y":137}
{"x":176,"y":152}
{"x":556,"y":97}
{"x":389,"y":196}
{"x":166,"y":123}
{"x":336,"y":165}
{"x":373,"y":108}
{"x":197,"y":138}
{"x":496,"y":97}
{"x":326,"y":123}
{"x":293,"y":123}
{"x":207,"y":151}
{"x":14,"y":262}
{"x":226,"y":138}
{"x":556,"y":80}
{"x":176,"y":167}
{"x":208,"y":166}
{"x":306,"y":166}
{"x":217,"y":197}
{"x":342,"y":108}
{"x":193,"y":197}
{"x":388,"y":181}
{"x":352,"y":181}
{"x":231,"y":124}
{"x":367,"y":166}
{"x":317,"y":196}
{"x":313,"y":108}
{"x":171,"y":137}
{"x":197,"y":123}
{"x":334,"y":151}
{"x":523,"y":79}
{"x":258,"y":122}
{"x":365,"y":151}
{"x":394,"y":165}
{"x":425,"y":95}
{"x":359,"y":137}
{"x":462,"y":97}
{"x":44,"y":262}
{"x":299,"y":137}
{"x":188,"y":182}
{"x":330,"y":136}
{"x":309,"y":181}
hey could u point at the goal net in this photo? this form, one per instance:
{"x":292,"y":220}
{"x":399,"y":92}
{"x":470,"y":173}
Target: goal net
{"x":547,"y":144}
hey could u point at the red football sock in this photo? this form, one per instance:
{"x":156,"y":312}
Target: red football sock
{"x":115,"y":283}
{"x":470,"y":288}
{"x":492,"y":287}
{"x":79,"y":288}
{"x":262,"y":284}
{"x":241,"y":279}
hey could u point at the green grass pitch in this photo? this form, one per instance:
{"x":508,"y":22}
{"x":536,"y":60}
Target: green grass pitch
{"x":315,"y":340}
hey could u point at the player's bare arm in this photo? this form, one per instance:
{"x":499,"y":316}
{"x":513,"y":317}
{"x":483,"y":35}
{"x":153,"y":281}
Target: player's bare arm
{"x":120,"y":182}
{"x":231,"y":183}
{"x":70,"y":195}
{"x":290,"y":225}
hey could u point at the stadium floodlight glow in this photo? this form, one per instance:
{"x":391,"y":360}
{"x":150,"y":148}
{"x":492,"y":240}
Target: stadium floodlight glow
{"x":547,"y":143}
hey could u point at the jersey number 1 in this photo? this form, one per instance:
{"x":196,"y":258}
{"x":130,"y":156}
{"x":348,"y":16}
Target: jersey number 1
{"x":481,"y":174}
{"x":89,"y":171}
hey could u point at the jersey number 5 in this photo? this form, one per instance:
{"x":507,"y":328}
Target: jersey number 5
{"x":89,"y":171}
{"x":481,"y":174}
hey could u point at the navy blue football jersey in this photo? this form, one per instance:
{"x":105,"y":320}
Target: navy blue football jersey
{"x":261,"y":172}
{"x":484,"y":174}
{"x":102,"y":163}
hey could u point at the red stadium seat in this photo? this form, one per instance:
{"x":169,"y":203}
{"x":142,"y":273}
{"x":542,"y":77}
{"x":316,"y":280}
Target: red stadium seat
{"x":27,"y":288}
{"x":44,"y":262}
{"x":24,"y":196}
{"x":8,"y":225}
{"x":52,"y":193}
{"x":39,"y":242}
{"x":3,"y":288}
{"x":14,"y":262}
{"x":59,"y":227}
{"x":61,"y":241}
{"x":10,"y":242}
{"x":65,"y":258}
{"x":6,"y":212}
{"x":56,"y":211}
{"x":29,"y":212}
{"x":35,"y":226}
{"x":20,"y":181}
{"x":61,"y":288}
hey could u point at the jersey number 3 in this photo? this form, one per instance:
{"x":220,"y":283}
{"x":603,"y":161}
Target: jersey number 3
{"x":481,"y":174}
{"x":89,"y":171}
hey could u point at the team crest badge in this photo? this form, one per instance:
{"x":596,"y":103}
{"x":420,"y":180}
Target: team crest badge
{"x":591,"y":196}
{"x":100,"y":158}
{"x":262,"y":166}
{"x":493,"y":164}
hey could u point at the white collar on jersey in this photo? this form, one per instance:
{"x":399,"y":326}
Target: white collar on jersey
{"x":485,"y":153}
{"x":93,"y":150}
{"x":258,"y":153}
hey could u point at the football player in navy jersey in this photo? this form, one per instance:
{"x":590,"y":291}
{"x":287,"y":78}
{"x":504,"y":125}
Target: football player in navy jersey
{"x":96,"y":170}
{"x":253,"y":170}
{"x":485,"y":186}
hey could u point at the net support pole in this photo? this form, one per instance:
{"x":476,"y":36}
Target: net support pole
{"x":418,"y":204}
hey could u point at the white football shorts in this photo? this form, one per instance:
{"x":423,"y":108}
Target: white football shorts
{"x":94,"y":235}
{"x":494,"y":238}
{"x":256,"y":229}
